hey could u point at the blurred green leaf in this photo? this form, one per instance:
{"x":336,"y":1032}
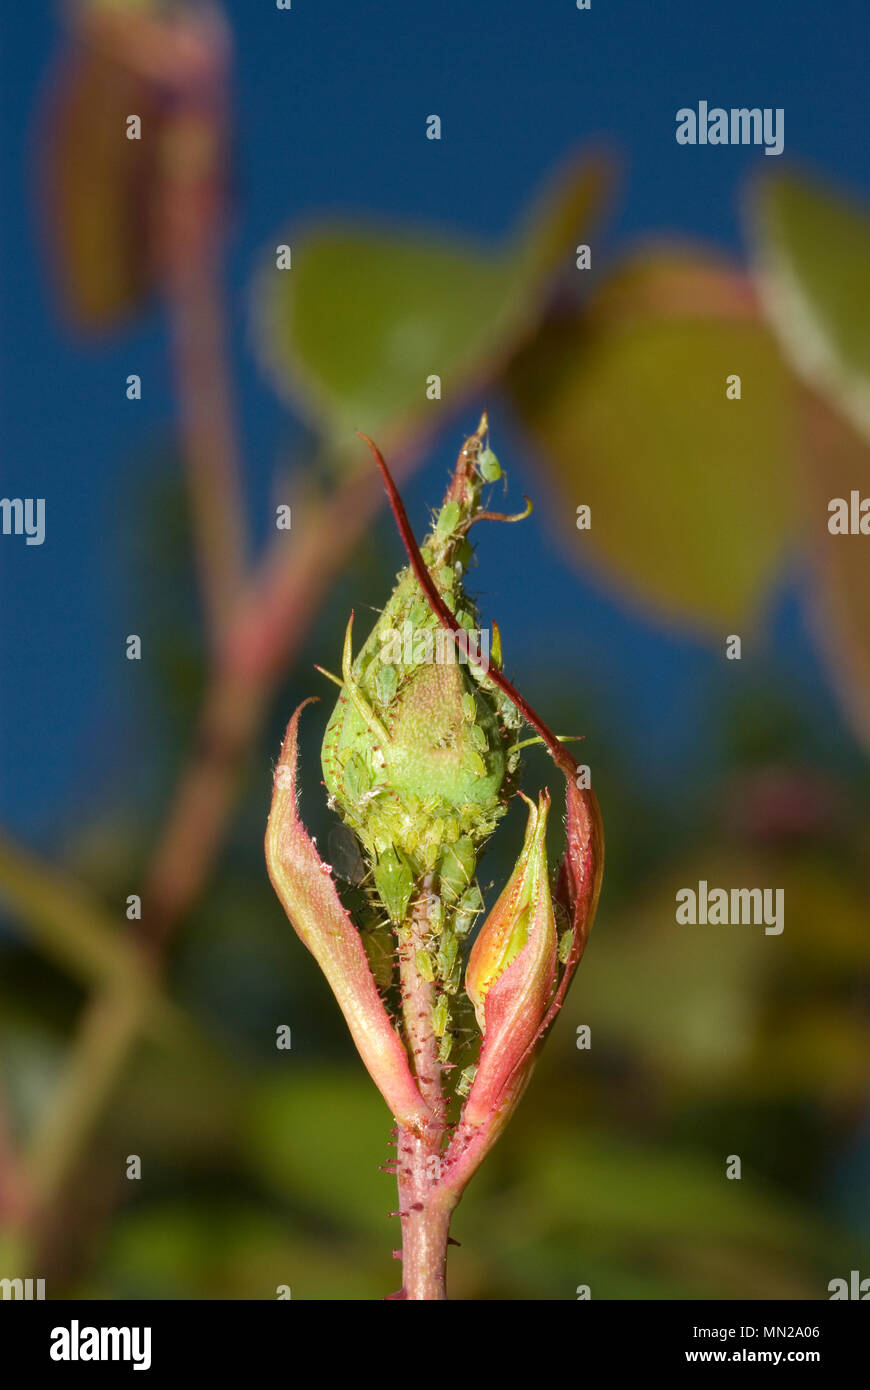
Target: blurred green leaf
{"x":813,"y":249}
{"x":320,"y":1137}
{"x":368,"y":313}
{"x":734,"y":1011}
{"x":700,"y":1020}
{"x":690,"y":492}
{"x":837,"y":461}
{"x":638,"y":1191}
{"x":640,"y":1219}
{"x":227,"y":1249}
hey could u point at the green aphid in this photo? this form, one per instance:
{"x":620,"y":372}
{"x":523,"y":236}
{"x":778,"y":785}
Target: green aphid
{"x":447,"y":520}
{"x":387,"y":682}
{"x":470,"y":904}
{"x":490,"y":468}
{"x":394,"y":881}
{"x":466,"y":620}
{"x":445,"y":1047}
{"x":436,"y":914}
{"x":425,"y":966}
{"x":471,"y":900}
{"x":566,"y":941}
{"x":453,"y":980}
{"x":476,"y":761}
{"x":440,"y":1016}
{"x":446,"y":577}
{"x":457,"y":866}
{"x":510,"y":715}
{"x":447,"y":953}
{"x":469,"y":708}
{"x":356,"y":777}
{"x":479,"y":738}
{"x":466,"y":1080}
{"x":418,"y":613}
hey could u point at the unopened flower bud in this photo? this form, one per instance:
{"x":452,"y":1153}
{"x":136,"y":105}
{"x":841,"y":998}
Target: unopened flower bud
{"x":416,"y":753}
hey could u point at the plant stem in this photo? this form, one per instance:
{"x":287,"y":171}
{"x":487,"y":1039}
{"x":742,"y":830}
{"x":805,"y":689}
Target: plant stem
{"x":425,"y":1210}
{"x":425,"y":1205}
{"x":191,"y":227}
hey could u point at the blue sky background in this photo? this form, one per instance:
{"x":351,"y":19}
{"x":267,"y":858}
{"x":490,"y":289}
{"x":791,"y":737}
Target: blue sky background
{"x":331,"y":102}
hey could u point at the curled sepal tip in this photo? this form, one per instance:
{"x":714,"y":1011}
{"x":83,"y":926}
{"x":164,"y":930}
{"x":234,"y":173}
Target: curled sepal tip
{"x":308,"y":894}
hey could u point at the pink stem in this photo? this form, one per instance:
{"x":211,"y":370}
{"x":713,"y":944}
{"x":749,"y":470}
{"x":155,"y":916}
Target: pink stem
{"x":425,"y":1211}
{"x":424,"y":1204}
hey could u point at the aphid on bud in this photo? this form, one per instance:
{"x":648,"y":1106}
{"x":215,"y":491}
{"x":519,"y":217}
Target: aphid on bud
{"x":471,"y":900}
{"x":479,"y":739}
{"x":476,"y":761}
{"x":566,"y":941}
{"x":470,"y":904}
{"x":469,"y":707}
{"x":457,"y":866}
{"x":387,"y":683}
{"x":445,"y":1047}
{"x":447,"y":953}
{"x":394,"y":882}
{"x":510,"y":715}
{"x":435,"y":912}
{"x":440,"y":1015}
{"x":356,"y":776}
{"x":425,"y":967}
{"x":454,"y":979}
{"x":418,"y":613}
{"x":490,"y":468}
{"x":466,"y":1080}
{"x":447,"y":519}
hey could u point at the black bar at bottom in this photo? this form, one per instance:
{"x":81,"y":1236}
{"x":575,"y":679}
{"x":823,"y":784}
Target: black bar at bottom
{"x":224,"y":1339}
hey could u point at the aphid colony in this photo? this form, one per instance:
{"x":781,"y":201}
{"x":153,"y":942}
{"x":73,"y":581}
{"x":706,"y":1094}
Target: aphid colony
{"x":420,"y":755}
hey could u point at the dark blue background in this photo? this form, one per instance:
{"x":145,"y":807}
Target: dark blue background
{"x":331,"y":100}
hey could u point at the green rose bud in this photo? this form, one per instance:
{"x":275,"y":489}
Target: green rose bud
{"x":417,"y":751}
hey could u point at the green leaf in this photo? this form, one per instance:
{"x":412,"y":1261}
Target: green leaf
{"x":701,"y":1021}
{"x":837,"y":461}
{"x":813,"y":250}
{"x":226,"y":1249}
{"x":367,"y":313}
{"x":690,"y":492}
{"x":320,"y":1137}
{"x":735,"y":1011}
